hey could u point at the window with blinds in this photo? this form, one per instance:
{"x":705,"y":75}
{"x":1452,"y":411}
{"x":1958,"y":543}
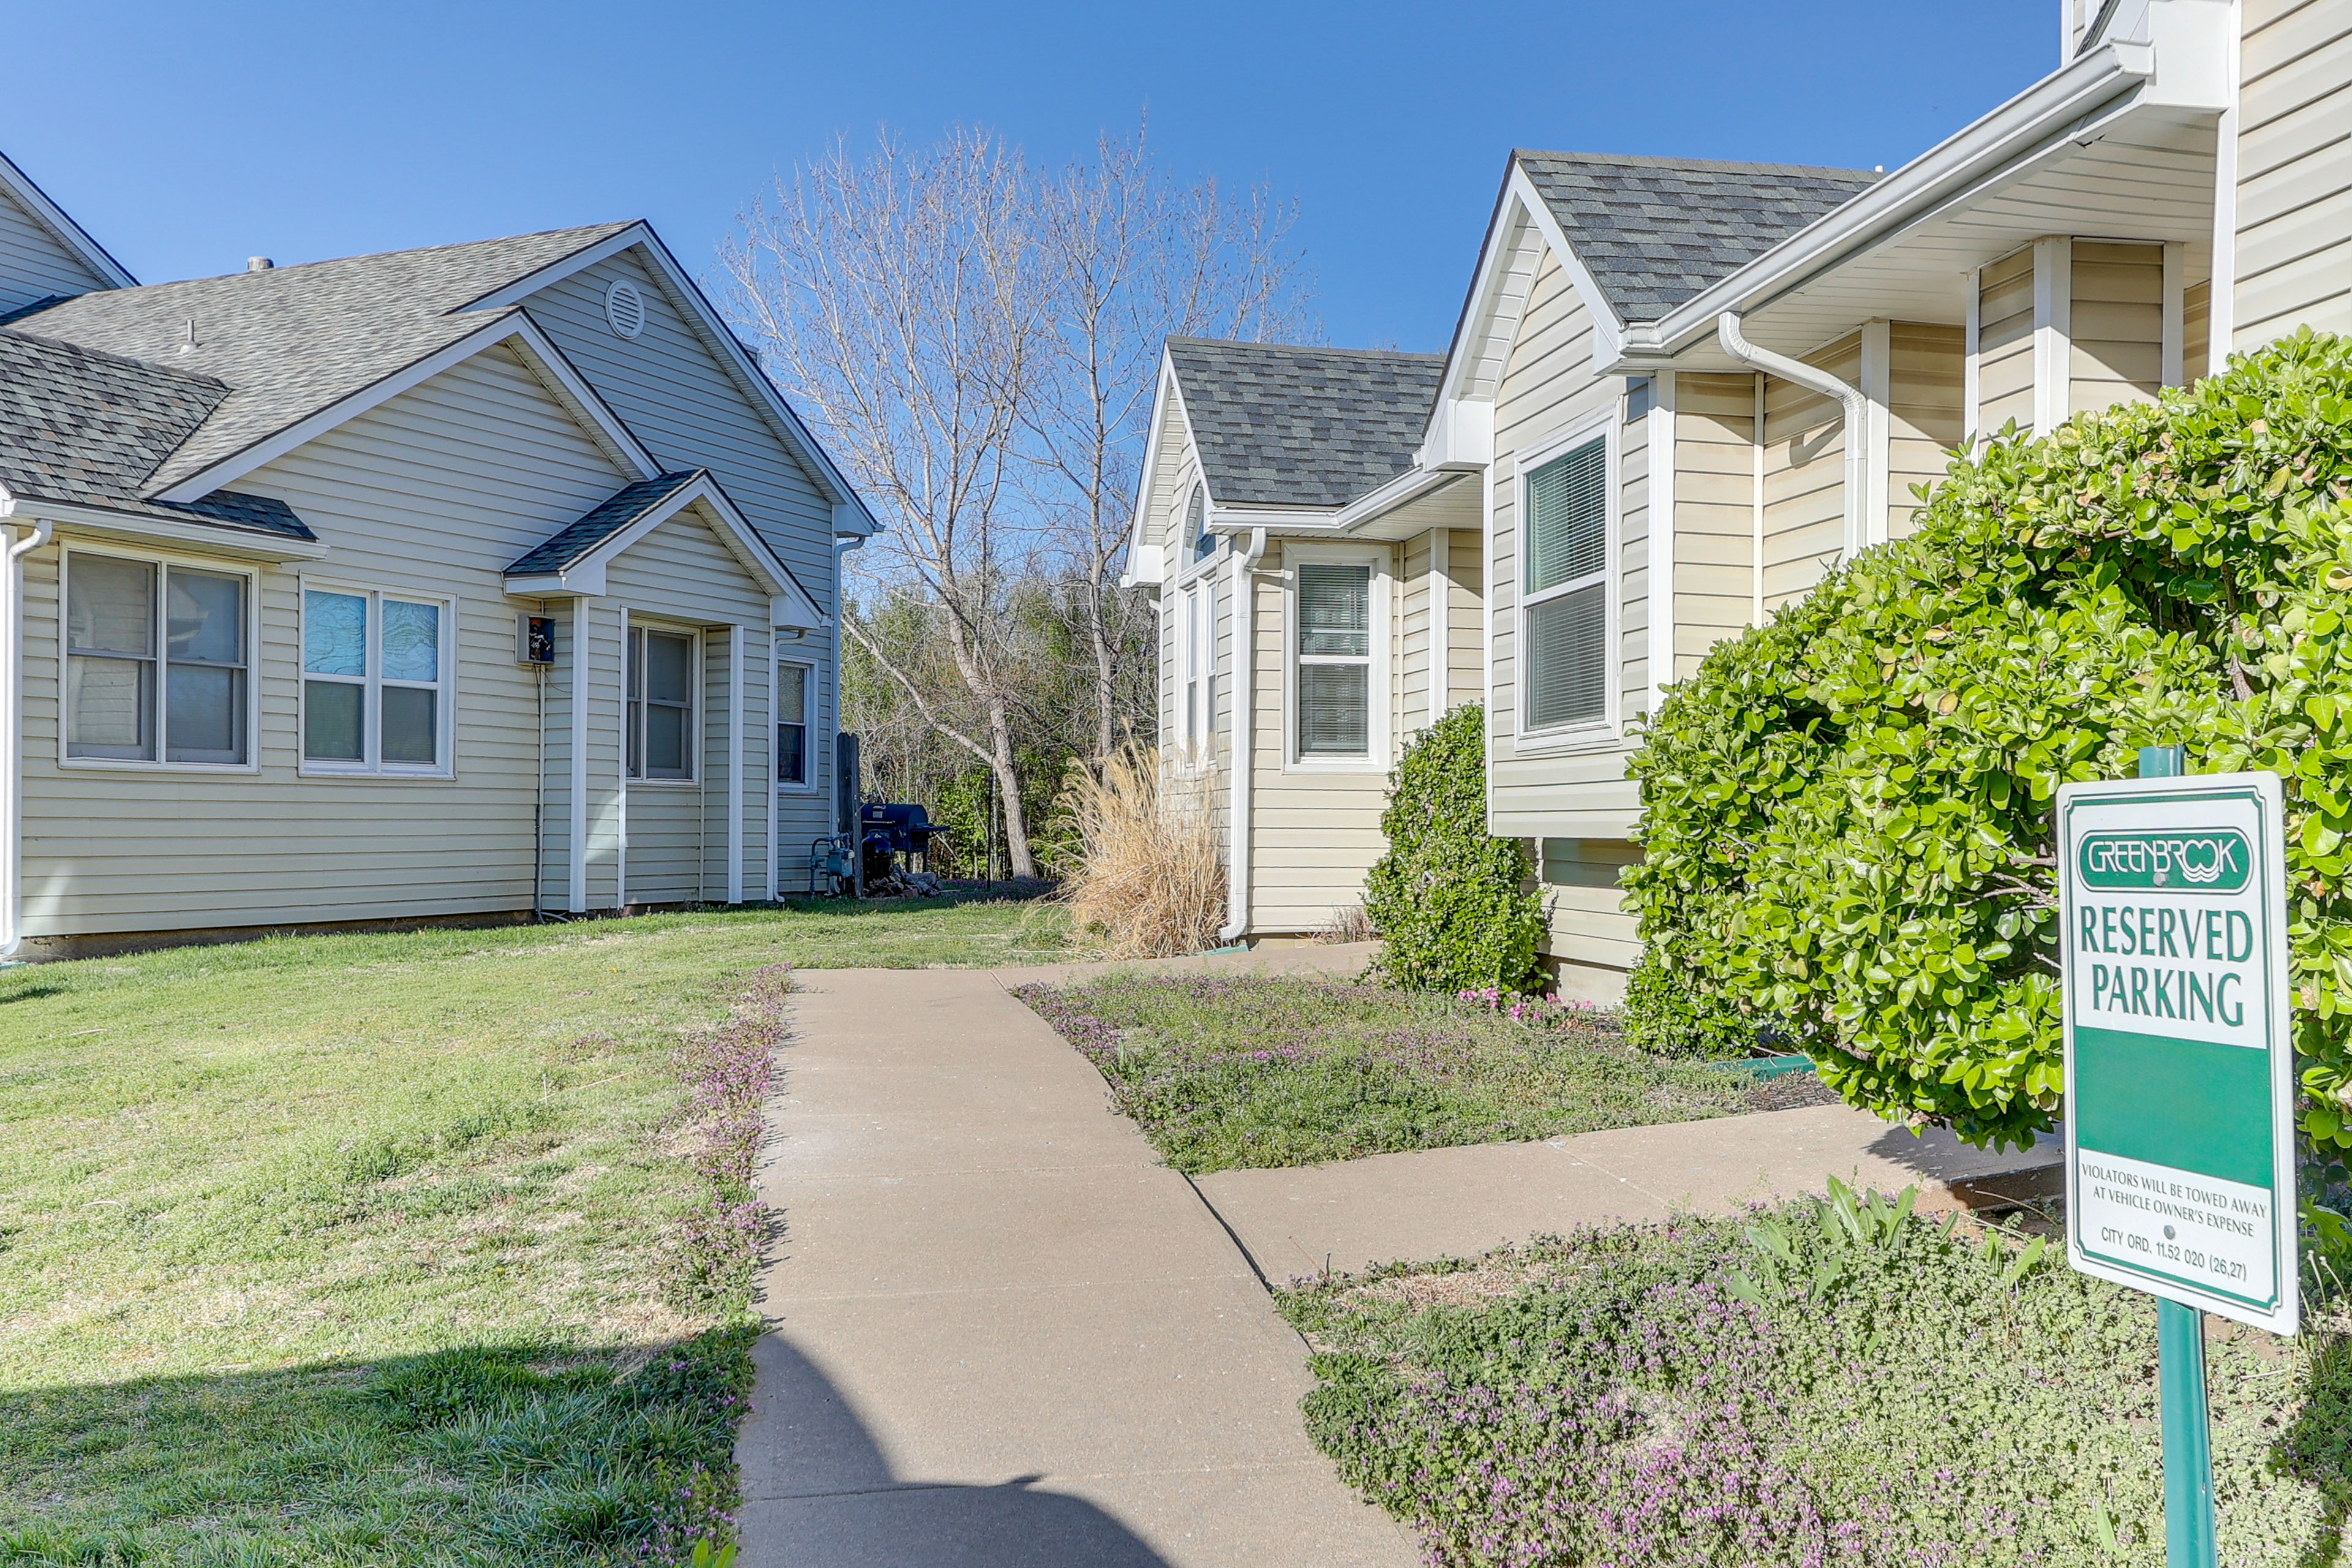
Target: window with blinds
{"x":1564,"y":607}
{"x":1335,"y":659}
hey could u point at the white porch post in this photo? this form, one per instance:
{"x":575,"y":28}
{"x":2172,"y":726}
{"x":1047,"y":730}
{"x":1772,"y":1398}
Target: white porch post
{"x":575,"y":892}
{"x":735,"y":765}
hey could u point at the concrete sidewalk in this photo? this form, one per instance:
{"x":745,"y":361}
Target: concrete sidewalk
{"x":1437,"y":1202}
{"x":1003,"y":1333}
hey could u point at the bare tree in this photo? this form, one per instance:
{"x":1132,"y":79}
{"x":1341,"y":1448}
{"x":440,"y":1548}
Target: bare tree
{"x":894,"y":295}
{"x":1128,"y":256}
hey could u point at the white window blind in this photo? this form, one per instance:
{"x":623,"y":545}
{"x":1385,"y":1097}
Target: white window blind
{"x":660,"y":704}
{"x":792,"y":693}
{"x":1565,"y":610}
{"x":156,"y":665}
{"x":1334,"y":649}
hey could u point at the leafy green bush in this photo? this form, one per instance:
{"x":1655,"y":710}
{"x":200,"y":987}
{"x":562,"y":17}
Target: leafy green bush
{"x":1665,"y":1016}
{"x":1449,"y":899}
{"x":1847,"y":824}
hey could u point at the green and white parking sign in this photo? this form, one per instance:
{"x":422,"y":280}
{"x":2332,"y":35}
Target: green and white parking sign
{"x":2179,"y":1069}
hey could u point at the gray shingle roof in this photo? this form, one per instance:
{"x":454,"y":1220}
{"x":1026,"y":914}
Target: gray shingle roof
{"x":1655,"y":231}
{"x":85,"y":428}
{"x":290,"y":341}
{"x":1283,"y":425}
{"x":608,"y":517}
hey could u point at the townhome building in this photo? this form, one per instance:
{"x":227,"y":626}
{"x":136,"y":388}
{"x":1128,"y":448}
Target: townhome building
{"x":466,"y":582}
{"x":1683,"y":390}
{"x":1313,"y":610}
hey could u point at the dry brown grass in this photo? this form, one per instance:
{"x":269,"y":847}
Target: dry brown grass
{"x":1150,"y":881}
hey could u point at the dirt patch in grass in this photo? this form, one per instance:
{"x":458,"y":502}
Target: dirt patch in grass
{"x":1246,"y":1072}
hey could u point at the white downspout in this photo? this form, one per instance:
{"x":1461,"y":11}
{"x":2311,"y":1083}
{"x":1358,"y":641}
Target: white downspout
{"x":1244,"y":757}
{"x":1855,"y":405}
{"x":11,"y":734}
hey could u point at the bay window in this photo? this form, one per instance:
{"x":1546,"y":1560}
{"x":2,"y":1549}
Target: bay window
{"x":375,"y":682}
{"x":1564,"y":607}
{"x":158,"y":667}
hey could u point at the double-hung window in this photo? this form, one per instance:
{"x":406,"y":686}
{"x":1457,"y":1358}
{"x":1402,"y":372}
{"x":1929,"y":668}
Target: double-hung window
{"x":795,"y":685}
{"x":376,"y":687}
{"x":1564,"y":604}
{"x":1334,"y":664}
{"x":661,"y":705}
{"x":157,"y":662}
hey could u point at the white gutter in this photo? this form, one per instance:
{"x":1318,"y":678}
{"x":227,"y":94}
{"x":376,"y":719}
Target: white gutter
{"x":12,"y":730}
{"x":1851,"y":399}
{"x":1244,"y":757}
{"x":2049,"y":111}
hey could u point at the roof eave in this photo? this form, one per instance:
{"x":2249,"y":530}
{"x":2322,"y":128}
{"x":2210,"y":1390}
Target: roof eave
{"x":2046,"y":110}
{"x":215,"y":538}
{"x":62,"y":227}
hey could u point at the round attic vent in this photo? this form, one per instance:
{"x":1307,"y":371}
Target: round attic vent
{"x":624,"y":308}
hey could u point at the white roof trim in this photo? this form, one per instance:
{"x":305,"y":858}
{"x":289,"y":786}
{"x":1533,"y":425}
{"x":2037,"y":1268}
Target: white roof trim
{"x":1402,"y":491}
{"x":514,"y":327}
{"x":2050,"y":110}
{"x":687,"y":300}
{"x":1164,"y":390}
{"x":1498,"y":294}
{"x":224,"y":539}
{"x":62,"y":228}
{"x":586,"y":575}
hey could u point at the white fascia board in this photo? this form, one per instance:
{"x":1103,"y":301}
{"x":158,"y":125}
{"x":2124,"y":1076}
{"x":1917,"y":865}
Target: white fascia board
{"x":687,"y":298}
{"x":584,"y":582}
{"x":1453,"y":435}
{"x":2044,"y":113}
{"x":1163,"y":388}
{"x":62,"y":228}
{"x":514,"y":327}
{"x":243,"y":544}
{"x":1277,"y":520}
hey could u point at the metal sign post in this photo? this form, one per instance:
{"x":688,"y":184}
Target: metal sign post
{"x":2180,"y":1076}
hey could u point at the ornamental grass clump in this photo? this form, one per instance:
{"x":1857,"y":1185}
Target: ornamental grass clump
{"x":1847,"y":826}
{"x":1150,"y":877}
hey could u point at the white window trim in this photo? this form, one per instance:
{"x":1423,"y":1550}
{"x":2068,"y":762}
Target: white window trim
{"x":1378,"y":620}
{"x":444,"y":741}
{"x":808,"y":725}
{"x":1609,"y":729}
{"x":1195,"y":608}
{"x":696,"y":718}
{"x":164,"y":560}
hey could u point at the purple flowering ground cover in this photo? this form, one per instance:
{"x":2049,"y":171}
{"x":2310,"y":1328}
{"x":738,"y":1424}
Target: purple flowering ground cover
{"x":1245,"y":1071}
{"x":1779,"y":1389}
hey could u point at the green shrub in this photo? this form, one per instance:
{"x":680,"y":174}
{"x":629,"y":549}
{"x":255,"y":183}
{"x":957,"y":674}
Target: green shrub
{"x":1665,"y":1016}
{"x":1847,"y":824}
{"x":1449,"y":899}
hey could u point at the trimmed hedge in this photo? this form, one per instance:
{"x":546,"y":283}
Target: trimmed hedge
{"x":1449,"y":900}
{"x":1847,"y":826}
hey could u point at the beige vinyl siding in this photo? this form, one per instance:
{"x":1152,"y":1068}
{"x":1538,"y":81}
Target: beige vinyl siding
{"x":2005,"y":343}
{"x":1715,"y":513}
{"x":431,"y":494}
{"x":2294,"y":170}
{"x":1805,"y":477}
{"x":1585,"y":915}
{"x":1418,"y":616}
{"x":1550,"y":385}
{"x":2196,"y":329}
{"x":674,"y":395}
{"x":1464,"y":648}
{"x":1925,"y":419}
{"x":683,"y":578}
{"x":1314,"y":832}
{"x":2116,"y":324}
{"x":33,"y":264}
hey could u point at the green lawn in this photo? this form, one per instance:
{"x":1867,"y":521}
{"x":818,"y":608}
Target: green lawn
{"x":1230,"y":1072}
{"x":1891,"y":1394}
{"x":380,"y":1249}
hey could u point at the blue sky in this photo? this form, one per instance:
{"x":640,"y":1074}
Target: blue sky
{"x":189,"y":137}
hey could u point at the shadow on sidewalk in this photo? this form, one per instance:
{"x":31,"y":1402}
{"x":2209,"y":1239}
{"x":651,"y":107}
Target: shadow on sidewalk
{"x":818,"y":1493}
